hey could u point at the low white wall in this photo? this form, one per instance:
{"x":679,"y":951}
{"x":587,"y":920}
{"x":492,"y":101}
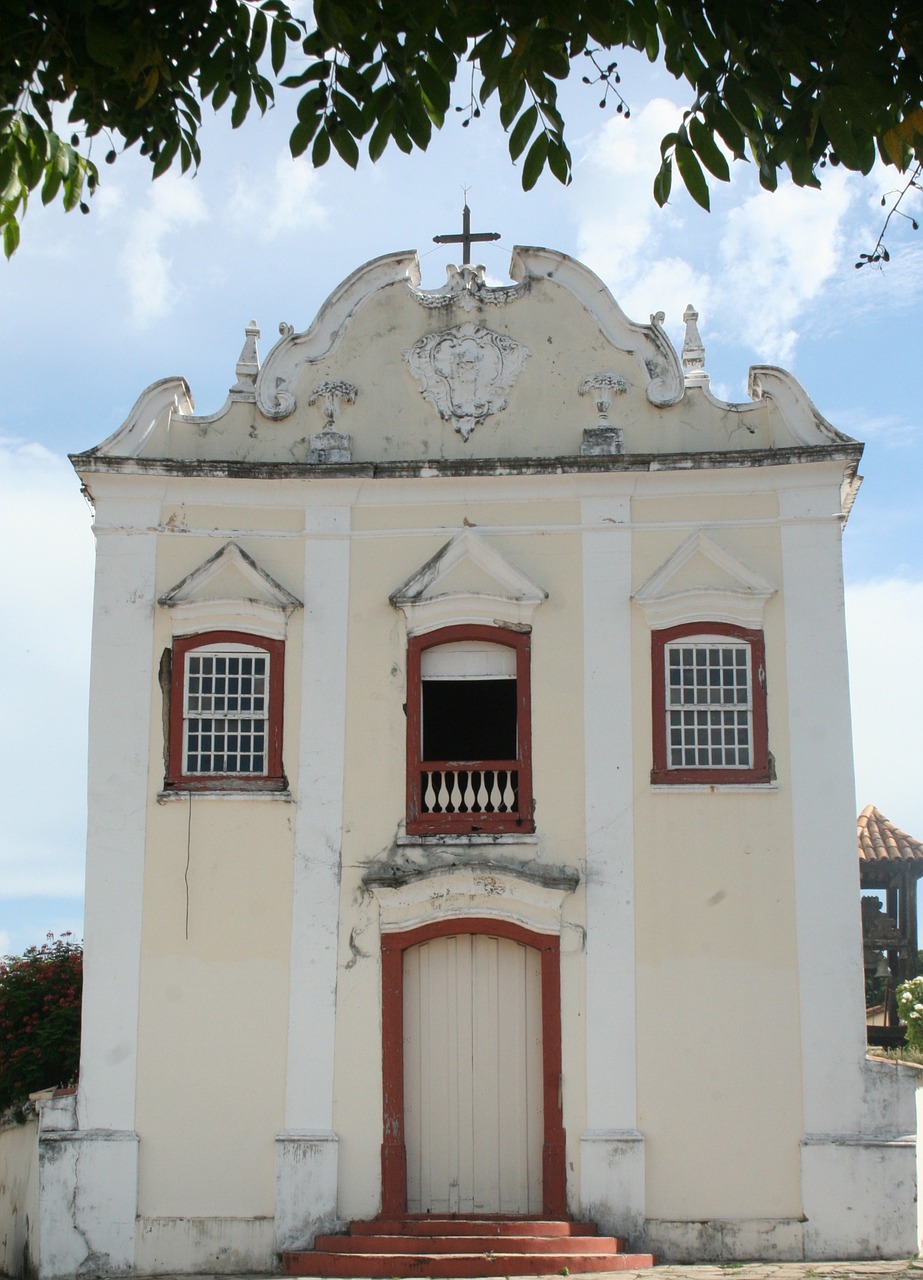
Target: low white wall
{"x":19,"y":1195}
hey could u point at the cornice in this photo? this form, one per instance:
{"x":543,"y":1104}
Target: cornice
{"x":847,"y":452}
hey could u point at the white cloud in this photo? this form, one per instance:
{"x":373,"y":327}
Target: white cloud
{"x":885,"y":622}
{"x":46,"y":583}
{"x":778,"y":251}
{"x":288,"y":200}
{"x":173,"y":202}
{"x":757,"y":263}
{"x":618,"y":221}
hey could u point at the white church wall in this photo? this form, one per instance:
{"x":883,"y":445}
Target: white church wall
{"x":710,"y":968}
{"x":19,"y":1235}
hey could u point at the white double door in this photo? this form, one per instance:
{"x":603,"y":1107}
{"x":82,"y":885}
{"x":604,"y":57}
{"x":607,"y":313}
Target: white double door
{"x":473,"y":1118}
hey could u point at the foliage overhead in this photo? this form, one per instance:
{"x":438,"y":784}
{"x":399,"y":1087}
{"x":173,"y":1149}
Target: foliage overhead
{"x":40,"y":1018}
{"x":788,"y":84}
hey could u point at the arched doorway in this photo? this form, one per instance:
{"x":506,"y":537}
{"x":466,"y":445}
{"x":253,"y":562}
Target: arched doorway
{"x":471,"y":1025}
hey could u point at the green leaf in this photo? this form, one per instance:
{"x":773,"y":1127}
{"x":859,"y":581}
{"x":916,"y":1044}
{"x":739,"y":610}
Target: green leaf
{"x":320,"y":152}
{"x":312,"y":103}
{"x":509,"y":106}
{"x":664,"y":181}
{"x":535,"y":161}
{"x":300,"y":137}
{"x":73,"y":183}
{"x":347,"y":113}
{"x":10,"y":236}
{"x":221,"y":94}
{"x":740,"y":104}
{"x":840,"y":134}
{"x":346,"y":147}
{"x":708,"y":150}
{"x":559,"y":161}
{"x":727,"y":128}
{"x":379,"y":140}
{"x":691,"y":173}
{"x":241,"y":104}
{"x":524,"y":128}
{"x":277,"y":45}
{"x":258,"y":33}
{"x":437,"y":89}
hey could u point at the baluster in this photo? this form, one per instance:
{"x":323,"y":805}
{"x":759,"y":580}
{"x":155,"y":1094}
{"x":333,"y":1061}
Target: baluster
{"x":429,"y":791}
{"x":509,"y":792}
{"x":456,"y":795}
{"x":496,"y":795}
{"x":469,"y":792}
{"x":443,"y":792}
{"x":483,"y":794}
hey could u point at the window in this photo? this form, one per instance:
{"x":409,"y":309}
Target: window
{"x":709,"y":704}
{"x":468,"y":731}
{"x":226,"y":712}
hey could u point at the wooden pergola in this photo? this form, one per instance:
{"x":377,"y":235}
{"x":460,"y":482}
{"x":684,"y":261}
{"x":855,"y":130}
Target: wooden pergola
{"x":890,"y":864}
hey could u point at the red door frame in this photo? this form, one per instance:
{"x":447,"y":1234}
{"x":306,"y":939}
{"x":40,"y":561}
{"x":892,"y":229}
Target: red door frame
{"x":393,"y":1149}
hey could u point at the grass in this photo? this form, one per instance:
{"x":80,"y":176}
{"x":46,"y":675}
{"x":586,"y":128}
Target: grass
{"x":903,"y":1054}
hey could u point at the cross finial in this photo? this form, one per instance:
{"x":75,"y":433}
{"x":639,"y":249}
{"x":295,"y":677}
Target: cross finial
{"x":467,"y":237}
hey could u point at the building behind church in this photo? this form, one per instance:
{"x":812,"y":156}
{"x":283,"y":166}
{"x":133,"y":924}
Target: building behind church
{"x":471,"y":826}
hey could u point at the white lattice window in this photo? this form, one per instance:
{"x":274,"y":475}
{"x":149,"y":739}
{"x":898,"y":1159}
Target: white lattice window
{"x":226,"y":711}
{"x":227,"y":701}
{"x":709,"y":706}
{"x":709,"y":703}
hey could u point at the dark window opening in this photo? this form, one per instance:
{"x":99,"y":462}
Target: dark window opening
{"x":469,"y":719}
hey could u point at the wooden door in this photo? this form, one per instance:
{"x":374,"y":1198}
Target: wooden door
{"x":473,"y":1112}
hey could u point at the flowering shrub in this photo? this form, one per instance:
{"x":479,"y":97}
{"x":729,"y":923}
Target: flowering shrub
{"x":910,"y":1010}
{"x":40,"y":1018}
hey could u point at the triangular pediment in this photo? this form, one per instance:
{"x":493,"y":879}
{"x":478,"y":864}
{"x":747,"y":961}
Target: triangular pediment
{"x":230,"y":590}
{"x":702,"y":581}
{"x":467,"y":580}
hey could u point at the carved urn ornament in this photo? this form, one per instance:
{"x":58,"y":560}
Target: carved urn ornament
{"x":331,"y":445}
{"x":604,"y":438}
{"x":467,"y":372}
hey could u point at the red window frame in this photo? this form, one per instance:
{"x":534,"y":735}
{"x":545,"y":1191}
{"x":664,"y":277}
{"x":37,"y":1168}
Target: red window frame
{"x":421,"y":822}
{"x":759,"y":770}
{"x":274,"y":777}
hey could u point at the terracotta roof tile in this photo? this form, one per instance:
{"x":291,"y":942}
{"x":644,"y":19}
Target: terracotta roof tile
{"x":881,"y":841}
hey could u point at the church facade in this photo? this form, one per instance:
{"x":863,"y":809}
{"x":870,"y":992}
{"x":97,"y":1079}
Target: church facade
{"x":471,"y":817}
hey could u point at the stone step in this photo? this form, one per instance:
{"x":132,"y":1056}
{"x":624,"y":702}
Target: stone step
{"x":431,"y":1225}
{"x":449,"y":1266}
{"x":508,"y":1243}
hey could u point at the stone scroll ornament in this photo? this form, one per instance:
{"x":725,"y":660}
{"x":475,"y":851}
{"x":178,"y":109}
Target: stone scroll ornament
{"x":467,"y":372}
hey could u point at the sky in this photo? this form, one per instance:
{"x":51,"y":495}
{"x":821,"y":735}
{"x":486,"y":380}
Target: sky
{"x":162,"y":278}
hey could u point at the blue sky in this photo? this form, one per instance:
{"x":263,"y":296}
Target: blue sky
{"x":162,"y":278}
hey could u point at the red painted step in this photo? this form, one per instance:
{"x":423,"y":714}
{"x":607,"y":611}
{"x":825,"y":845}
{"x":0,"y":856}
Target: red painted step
{"x":444,"y":1248}
{"x":470,"y":1244}
{"x":431,"y":1225}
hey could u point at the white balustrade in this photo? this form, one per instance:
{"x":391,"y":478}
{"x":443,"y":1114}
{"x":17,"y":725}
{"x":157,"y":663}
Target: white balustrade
{"x":471,"y":789}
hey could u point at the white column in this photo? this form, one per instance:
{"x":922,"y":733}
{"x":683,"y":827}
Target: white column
{"x":89,"y":1169}
{"x":306,"y":1158}
{"x":853,"y":1157}
{"x":612,"y":1151}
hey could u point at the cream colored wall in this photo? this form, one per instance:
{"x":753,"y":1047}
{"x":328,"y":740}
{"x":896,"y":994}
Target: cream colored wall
{"x":216,"y":940}
{"x":390,"y":543}
{"x":715,"y":936}
{"x":718,"y":992}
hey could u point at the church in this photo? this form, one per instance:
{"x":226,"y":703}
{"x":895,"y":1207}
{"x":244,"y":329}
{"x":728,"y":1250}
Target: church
{"x":471,"y":844}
